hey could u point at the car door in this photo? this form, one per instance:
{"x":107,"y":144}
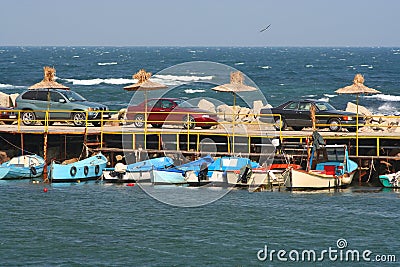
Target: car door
{"x":166,"y":108}
{"x":304,"y":115}
{"x":153,"y":108}
{"x":58,"y":105}
{"x":289,"y":113}
{"x":42,"y":103}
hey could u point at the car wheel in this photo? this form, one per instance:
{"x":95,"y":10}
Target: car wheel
{"x":334,"y":125}
{"x":139,"y":121}
{"x":279,"y":124}
{"x":189,"y":122}
{"x":79,"y":118}
{"x":28,"y":118}
{"x":156,"y":125}
{"x":297,"y":128}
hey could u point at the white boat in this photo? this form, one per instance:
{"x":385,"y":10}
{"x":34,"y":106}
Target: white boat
{"x":328,"y":167}
{"x":135,"y":172}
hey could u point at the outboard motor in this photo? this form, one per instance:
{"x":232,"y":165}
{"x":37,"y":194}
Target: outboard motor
{"x":203,"y":172}
{"x":120,"y":170}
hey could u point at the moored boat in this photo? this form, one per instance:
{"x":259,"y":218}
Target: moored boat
{"x":391,"y":180}
{"x":328,"y":166}
{"x":178,"y":174}
{"x":217,"y":172}
{"x":84,"y":170}
{"x":22,"y":167}
{"x":135,"y":172}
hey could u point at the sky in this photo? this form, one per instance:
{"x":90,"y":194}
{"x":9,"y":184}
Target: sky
{"x":199,"y":23}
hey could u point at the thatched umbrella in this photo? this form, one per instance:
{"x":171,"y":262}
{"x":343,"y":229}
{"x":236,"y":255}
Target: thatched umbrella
{"x":144,"y":84}
{"x":357,"y":88}
{"x":48,"y":81}
{"x":236,"y":85}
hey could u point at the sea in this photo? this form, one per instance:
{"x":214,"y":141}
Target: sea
{"x":96,"y":224}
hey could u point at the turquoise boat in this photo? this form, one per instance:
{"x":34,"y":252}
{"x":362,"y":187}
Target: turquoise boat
{"x":390,"y":180}
{"x":83,"y":170}
{"x":22,"y":167}
{"x":177,"y":174}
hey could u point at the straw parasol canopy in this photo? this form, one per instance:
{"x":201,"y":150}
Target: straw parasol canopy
{"x":236,"y":84}
{"x":357,"y":87}
{"x":144,"y":82}
{"x":48,"y":81}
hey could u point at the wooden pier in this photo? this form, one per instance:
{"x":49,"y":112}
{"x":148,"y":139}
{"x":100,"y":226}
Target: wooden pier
{"x":66,"y":141}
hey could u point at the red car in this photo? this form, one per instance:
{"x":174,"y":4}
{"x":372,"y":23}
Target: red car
{"x":171,"y":111}
{"x":7,"y":116}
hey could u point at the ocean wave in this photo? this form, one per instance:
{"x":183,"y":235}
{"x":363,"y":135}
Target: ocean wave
{"x":107,"y":63}
{"x":309,"y":66}
{"x":239,"y":63}
{"x":324,"y":99}
{"x":266,"y":67}
{"x":191,"y":78}
{"x":10,"y":86}
{"x":330,"y":96}
{"x":383,"y":97}
{"x":193,"y":91}
{"x":97,"y":81}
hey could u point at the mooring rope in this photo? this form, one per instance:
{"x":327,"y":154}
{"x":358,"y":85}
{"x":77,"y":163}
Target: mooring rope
{"x":11,"y":144}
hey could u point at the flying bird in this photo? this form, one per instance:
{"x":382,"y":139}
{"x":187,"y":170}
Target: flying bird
{"x":265,"y":28}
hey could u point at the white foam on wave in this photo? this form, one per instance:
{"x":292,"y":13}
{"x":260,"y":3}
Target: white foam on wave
{"x":183,"y":78}
{"x":107,"y":63}
{"x":387,"y":107}
{"x":239,"y":63}
{"x":325,"y":99}
{"x":309,"y":66}
{"x":75,"y":56}
{"x":383,"y":97}
{"x":97,"y":81}
{"x":266,"y":67}
{"x":309,"y":95}
{"x":193,"y":91}
{"x":10,"y":86}
{"x":330,"y":96}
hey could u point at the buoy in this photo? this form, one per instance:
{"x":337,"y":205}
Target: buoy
{"x":45,"y":189}
{"x":130,"y":184}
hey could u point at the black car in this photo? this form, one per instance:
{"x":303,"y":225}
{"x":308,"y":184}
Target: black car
{"x":7,"y":115}
{"x":296,"y":114}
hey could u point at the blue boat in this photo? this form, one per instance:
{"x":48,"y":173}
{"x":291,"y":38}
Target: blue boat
{"x":177,"y":175}
{"x":390,"y":180}
{"x":136,"y":172}
{"x":22,"y":167}
{"x":83,"y":170}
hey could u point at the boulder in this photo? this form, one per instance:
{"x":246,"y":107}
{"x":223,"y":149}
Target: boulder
{"x":225,"y":112}
{"x":206,"y":105}
{"x":351,"y":107}
{"x":5,"y":100}
{"x":13,"y":97}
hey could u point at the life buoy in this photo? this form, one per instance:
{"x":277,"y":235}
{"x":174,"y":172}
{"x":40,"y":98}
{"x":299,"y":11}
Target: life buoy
{"x":97,"y":169}
{"x":72,"y":171}
{"x":86,"y":170}
{"x":33,"y":170}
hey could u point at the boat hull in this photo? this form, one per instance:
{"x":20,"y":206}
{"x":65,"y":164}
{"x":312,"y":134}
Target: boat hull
{"x":390,"y":180}
{"x":22,"y":167}
{"x":160,"y":177}
{"x":109,"y":175}
{"x":84,"y":170}
{"x":300,"y":179}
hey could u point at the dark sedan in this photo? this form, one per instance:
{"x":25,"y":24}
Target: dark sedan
{"x":296,"y":114}
{"x":7,"y":115}
{"x":171,"y":111}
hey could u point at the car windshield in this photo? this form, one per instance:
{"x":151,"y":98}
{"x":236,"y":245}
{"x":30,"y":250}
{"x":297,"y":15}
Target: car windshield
{"x":72,"y":96}
{"x":324,"y":106}
{"x":183,"y":104}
